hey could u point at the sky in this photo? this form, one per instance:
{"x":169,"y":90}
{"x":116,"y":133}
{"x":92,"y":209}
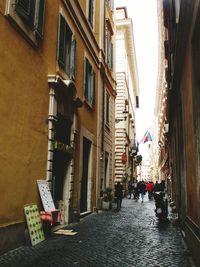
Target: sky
{"x":145,"y":31}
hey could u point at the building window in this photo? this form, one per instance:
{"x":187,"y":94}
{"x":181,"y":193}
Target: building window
{"x":110,"y":54}
{"x":137,"y":101}
{"x":111,"y":5}
{"x":66,"y":48}
{"x":91,"y":12}
{"x":109,"y":47}
{"x":107,"y":108}
{"x":28,"y":16}
{"x":89,"y":83}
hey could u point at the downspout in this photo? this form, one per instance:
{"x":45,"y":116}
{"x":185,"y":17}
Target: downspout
{"x":51,"y":119}
{"x":103,"y":100}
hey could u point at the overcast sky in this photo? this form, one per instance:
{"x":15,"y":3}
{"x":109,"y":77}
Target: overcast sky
{"x":145,"y":27}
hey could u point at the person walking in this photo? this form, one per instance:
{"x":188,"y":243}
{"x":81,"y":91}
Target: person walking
{"x":156,"y":187}
{"x":130,"y":189}
{"x":135,"y":189}
{"x":142,"y":189}
{"x":119,"y":194}
{"x":149,"y":187}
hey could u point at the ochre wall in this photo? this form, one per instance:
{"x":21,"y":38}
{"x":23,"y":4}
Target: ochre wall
{"x":87,"y":117}
{"x":24,"y":103}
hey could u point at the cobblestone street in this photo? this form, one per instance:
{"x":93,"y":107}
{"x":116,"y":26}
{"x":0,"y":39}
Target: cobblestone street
{"x":131,"y":237}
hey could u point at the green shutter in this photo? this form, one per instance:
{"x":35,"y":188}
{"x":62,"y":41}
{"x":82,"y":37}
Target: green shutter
{"x":23,"y":8}
{"x":39,"y":17}
{"x":73,"y":59}
{"x":111,"y":63}
{"x":109,"y":54}
{"x":91,"y":12}
{"x":93,"y":89}
{"x":86,"y":78}
{"x":106,"y":49}
{"x":61,"y":50}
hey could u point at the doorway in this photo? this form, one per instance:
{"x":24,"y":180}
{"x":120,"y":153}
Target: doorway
{"x":106,"y":182}
{"x":85,"y":173}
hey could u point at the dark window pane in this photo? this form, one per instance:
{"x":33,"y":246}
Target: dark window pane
{"x":23,"y":8}
{"x":73,"y":60}
{"x":89,"y":83}
{"x":91,"y":12}
{"x":39,"y":17}
{"x":61,"y":42}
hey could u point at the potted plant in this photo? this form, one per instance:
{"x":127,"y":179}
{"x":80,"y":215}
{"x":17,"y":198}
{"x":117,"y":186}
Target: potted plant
{"x":67,"y":149}
{"x":69,"y":152}
{"x":107,"y":198}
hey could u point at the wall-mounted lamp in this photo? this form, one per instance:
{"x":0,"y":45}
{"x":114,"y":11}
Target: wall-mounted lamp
{"x":77,"y":103}
{"x":101,"y":156}
{"x":125,"y":114}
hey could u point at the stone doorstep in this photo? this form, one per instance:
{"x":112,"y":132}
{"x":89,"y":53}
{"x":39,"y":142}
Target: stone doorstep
{"x":58,"y":227}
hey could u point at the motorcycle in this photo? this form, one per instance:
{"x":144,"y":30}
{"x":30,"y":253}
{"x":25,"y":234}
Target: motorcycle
{"x":150,"y":195}
{"x":161,"y":204}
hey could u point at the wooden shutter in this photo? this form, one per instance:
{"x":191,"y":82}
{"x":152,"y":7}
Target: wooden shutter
{"x":39,"y":17}
{"x":107,"y":108}
{"x":91,"y":12}
{"x":73,"y":59}
{"x":109,"y":53}
{"x":111,"y":63}
{"x":23,"y":8}
{"x":61,"y":49}
{"x":93,"y":89}
{"x":86,"y":78}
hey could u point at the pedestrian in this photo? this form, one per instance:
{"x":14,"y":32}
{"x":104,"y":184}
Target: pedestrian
{"x":135,"y":189}
{"x":162,"y":186}
{"x":157,"y":187}
{"x":142,"y":189}
{"x":119,"y":194}
{"x":130,"y":189}
{"x":149,"y":188}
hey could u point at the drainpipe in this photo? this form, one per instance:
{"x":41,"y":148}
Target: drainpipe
{"x":51,"y":119}
{"x":103,"y":97}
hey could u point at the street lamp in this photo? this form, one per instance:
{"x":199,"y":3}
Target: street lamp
{"x":125,"y":112}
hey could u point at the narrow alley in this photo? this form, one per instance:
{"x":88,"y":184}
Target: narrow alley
{"x":98,"y":98}
{"x":131,"y":237}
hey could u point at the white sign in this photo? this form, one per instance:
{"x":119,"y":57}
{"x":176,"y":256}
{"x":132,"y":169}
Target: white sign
{"x":45,"y":195}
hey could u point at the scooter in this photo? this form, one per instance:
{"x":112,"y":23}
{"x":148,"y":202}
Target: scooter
{"x":150,"y":195}
{"x":161,"y":204}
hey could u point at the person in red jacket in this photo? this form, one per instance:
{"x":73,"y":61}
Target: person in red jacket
{"x":150,"y":187}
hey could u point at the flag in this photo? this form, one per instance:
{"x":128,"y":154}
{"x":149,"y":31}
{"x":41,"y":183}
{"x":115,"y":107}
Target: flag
{"x":143,"y":137}
{"x":147,"y":137}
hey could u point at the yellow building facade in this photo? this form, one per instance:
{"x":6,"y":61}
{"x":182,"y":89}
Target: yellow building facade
{"x":52,"y":60}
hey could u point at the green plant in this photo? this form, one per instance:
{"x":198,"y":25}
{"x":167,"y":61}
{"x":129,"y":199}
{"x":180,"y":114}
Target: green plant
{"x":125,"y":178}
{"x":68,"y":149}
{"x":138,"y":159}
{"x":107,"y":194}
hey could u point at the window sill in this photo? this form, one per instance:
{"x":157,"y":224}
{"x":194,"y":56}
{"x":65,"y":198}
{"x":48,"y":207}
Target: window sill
{"x":17,"y":22}
{"x":89,"y":105}
{"x":107,"y":125}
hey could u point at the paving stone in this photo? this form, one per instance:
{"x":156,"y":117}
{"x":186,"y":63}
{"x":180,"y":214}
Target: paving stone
{"x":132,"y":237}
